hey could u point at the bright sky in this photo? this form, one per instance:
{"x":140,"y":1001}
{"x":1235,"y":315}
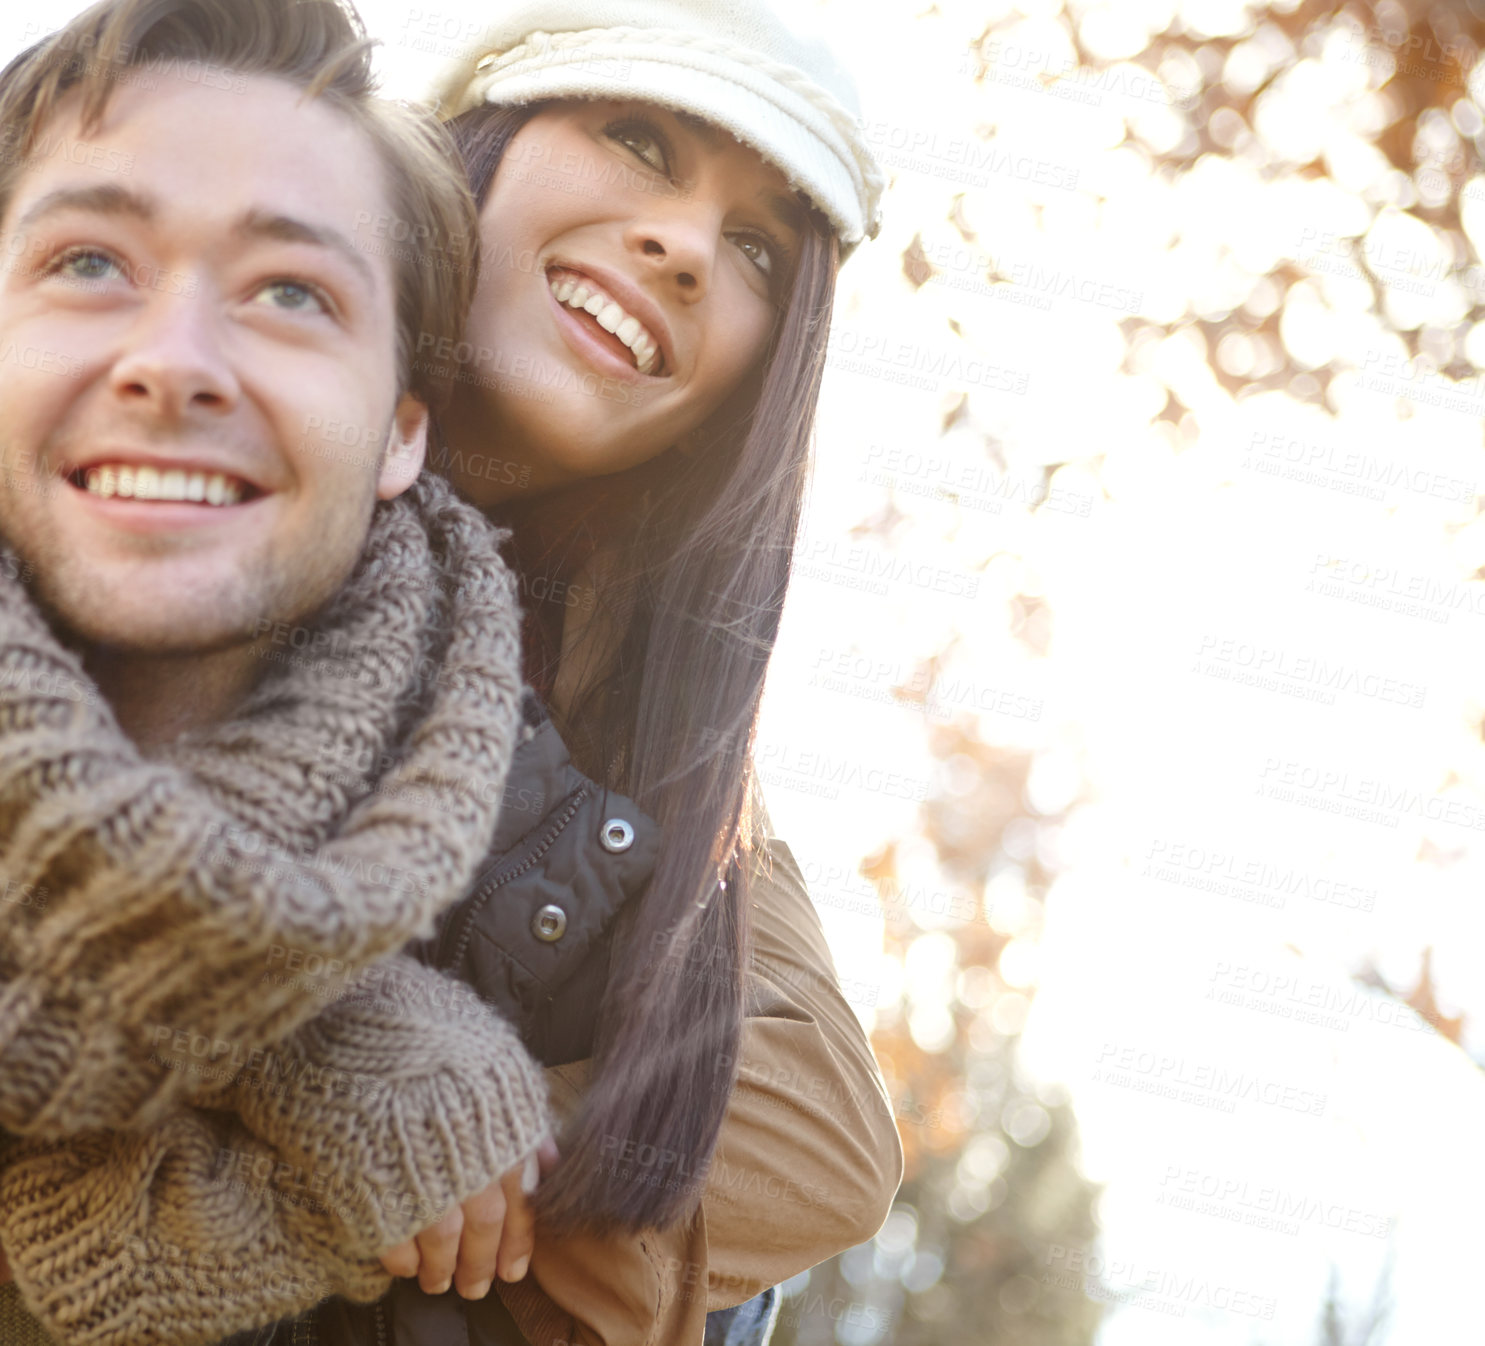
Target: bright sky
{"x":1261,"y":680}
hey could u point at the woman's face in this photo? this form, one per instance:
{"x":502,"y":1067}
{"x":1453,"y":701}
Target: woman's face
{"x":633,"y":260}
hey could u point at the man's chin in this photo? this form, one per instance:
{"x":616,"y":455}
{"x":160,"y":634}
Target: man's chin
{"x":183,"y":635}
{"x":200,"y":620}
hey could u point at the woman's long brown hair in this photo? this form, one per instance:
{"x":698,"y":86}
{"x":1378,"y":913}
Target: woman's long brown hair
{"x":696,"y":549}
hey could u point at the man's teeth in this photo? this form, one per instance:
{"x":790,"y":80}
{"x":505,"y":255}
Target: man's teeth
{"x":148,"y":483}
{"x":584,"y":295}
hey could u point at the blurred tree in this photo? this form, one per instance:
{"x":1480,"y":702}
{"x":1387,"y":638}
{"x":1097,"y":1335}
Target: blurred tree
{"x":992,"y":1180}
{"x":1420,"y":53}
{"x":992,"y":1177}
{"x":1366,"y":1328}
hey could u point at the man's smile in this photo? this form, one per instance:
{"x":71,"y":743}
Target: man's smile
{"x":144,"y":481}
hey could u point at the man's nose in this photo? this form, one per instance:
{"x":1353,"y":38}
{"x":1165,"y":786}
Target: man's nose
{"x":174,"y":359}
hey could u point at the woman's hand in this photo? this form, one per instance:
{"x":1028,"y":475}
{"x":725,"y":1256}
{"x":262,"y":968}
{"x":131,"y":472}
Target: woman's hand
{"x":491,"y":1233}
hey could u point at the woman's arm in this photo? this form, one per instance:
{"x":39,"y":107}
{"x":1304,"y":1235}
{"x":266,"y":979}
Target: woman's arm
{"x":807,"y":1165}
{"x":365,"y":1127}
{"x":809,"y":1158}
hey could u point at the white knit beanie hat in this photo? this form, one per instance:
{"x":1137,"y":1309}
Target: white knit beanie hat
{"x":734,"y":63}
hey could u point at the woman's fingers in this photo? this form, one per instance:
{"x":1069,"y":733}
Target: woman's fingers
{"x":519,"y":1237}
{"x":485,"y":1216}
{"x":439,"y":1246}
{"x":493,"y":1232}
{"x":402,"y":1260}
{"x":519,"y":1240}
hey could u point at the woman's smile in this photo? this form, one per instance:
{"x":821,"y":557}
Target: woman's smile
{"x":576,"y":290}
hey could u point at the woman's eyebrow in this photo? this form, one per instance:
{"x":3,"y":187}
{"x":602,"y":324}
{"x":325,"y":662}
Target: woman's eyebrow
{"x":708,"y":134}
{"x":786,"y":209}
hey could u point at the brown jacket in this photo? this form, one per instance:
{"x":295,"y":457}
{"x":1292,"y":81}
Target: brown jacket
{"x":808,"y":1163}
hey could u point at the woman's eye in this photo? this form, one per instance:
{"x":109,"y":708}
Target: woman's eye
{"x":294,"y":296}
{"x":643,"y":141}
{"x":758,"y":251}
{"x":85,"y":264}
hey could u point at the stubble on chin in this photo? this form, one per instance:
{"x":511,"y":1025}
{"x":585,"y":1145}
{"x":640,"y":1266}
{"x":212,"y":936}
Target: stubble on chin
{"x":152,"y":600}
{"x":131,"y":613}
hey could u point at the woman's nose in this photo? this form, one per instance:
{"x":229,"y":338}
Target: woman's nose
{"x":679,"y":249}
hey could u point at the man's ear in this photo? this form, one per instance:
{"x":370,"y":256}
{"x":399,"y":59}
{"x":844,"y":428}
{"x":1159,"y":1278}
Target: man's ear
{"x":407,"y":447}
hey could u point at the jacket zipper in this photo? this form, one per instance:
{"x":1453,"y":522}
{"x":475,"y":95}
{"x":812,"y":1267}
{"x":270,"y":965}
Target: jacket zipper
{"x":381,"y":1324}
{"x":456,"y":937}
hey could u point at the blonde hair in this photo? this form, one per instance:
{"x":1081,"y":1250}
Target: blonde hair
{"x":319,"y":46}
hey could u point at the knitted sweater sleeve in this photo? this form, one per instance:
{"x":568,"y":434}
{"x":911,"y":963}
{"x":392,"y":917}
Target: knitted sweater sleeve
{"x":134,"y":910}
{"x":356,"y":1133}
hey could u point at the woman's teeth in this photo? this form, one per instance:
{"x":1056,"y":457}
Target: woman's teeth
{"x":149,"y":483}
{"x":580,"y":293}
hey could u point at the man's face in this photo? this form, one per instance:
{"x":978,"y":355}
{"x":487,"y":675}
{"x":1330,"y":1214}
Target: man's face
{"x":197,"y":366}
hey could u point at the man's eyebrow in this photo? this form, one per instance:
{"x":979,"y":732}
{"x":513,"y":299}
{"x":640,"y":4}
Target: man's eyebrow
{"x":288,"y":229}
{"x":115,"y":200}
{"x":101,"y":200}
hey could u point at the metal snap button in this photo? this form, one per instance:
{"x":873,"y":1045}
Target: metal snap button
{"x":549,"y":923}
{"x":617,"y":835}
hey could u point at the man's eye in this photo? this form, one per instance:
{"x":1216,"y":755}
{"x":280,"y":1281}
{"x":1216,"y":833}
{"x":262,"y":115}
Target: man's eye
{"x":293,"y":296}
{"x":643,"y":140}
{"x":85,"y":264}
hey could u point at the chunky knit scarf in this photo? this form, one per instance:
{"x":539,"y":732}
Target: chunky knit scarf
{"x":147,"y":906}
